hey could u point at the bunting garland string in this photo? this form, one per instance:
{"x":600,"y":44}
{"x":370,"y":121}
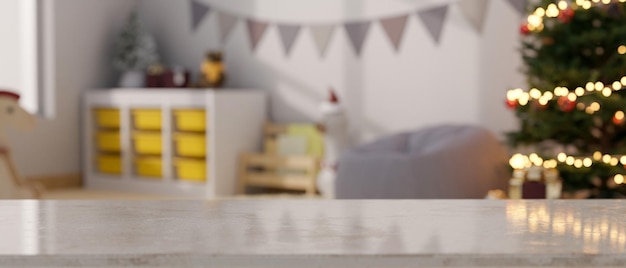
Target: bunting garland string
{"x":433,"y":18}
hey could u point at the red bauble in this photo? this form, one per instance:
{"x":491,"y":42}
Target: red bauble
{"x":565,"y":104}
{"x":512,"y":104}
{"x":565,"y":16}
{"x":524,"y":29}
{"x":617,"y":121}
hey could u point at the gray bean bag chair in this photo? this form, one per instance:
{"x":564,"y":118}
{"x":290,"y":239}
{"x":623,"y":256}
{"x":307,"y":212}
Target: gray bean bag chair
{"x":443,"y":162}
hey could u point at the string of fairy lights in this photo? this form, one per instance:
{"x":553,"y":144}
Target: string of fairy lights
{"x":562,"y":9}
{"x":523,"y":97}
{"x":521,"y":161}
{"x":520,"y":97}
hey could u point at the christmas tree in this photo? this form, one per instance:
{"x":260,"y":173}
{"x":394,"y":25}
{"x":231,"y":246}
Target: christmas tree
{"x":135,"y":49}
{"x":572,"y":117}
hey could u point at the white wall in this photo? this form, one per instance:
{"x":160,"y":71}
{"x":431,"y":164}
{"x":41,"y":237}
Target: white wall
{"x":462,"y":80}
{"x":84,"y":31}
{"x":10,"y":62}
{"x":499,"y":67}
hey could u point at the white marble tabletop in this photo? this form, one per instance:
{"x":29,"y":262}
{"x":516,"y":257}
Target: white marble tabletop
{"x":313,"y":233}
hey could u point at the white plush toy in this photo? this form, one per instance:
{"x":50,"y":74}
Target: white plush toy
{"x":334,"y":125}
{"x":12,"y":186}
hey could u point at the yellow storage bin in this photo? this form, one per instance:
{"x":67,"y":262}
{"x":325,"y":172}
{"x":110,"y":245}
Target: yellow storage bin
{"x":190,"y":145}
{"x":108,"y":141}
{"x":107,"y":118}
{"x":111,"y":164}
{"x":191,"y":170}
{"x":190,"y":120}
{"x":150,"y":167}
{"x":147,"y":119}
{"x":147,"y":143}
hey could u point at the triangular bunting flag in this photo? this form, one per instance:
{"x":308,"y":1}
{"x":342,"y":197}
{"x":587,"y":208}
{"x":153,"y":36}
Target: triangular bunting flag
{"x":394,"y":28}
{"x":357,"y":31}
{"x":475,"y":11}
{"x":518,"y":5}
{"x":198,"y":12}
{"x":433,"y":19}
{"x":321,"y":36}
{"x":288,"y":34}
{"x":226,"y":23}
{"x":256,"y":30}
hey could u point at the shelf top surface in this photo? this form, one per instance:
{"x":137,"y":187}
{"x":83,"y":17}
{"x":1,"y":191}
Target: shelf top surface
{"x":476,"y":228}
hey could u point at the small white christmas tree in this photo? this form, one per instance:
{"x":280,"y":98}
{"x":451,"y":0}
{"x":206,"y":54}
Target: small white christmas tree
{"x":135,"y":49}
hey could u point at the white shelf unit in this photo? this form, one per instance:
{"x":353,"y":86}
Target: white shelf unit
{"x":234,"y":125}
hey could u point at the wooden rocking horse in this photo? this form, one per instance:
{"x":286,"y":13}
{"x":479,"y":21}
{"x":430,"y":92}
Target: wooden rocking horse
{"x":12,"y":186}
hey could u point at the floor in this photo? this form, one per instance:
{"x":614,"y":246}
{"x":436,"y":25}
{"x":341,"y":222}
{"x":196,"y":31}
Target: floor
{"x":79,"y":194}
{"x":84,"y":194}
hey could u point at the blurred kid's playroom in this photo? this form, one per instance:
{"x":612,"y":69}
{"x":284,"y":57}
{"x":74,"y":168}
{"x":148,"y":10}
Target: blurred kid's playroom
{"x":207,"y":99}
{"x":312,"y":133}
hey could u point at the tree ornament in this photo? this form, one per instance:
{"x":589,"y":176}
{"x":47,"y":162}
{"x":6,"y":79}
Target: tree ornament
{"x":565,"y":16}
{"x":548,"y":41}
{"x":618,"y":118}
{"x":565,"y":104}
{"x":524,"y":29}
{"x":512,"y":104}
